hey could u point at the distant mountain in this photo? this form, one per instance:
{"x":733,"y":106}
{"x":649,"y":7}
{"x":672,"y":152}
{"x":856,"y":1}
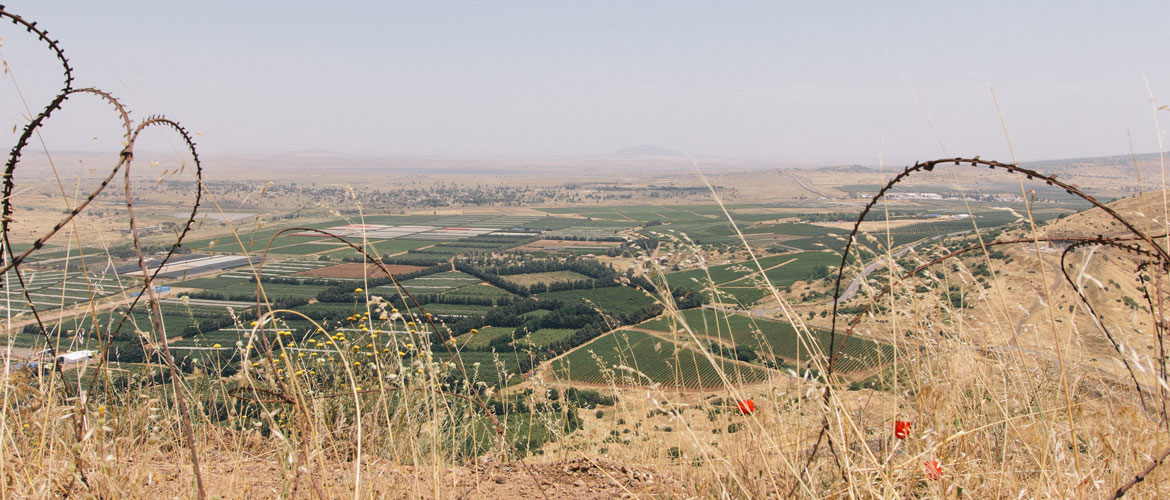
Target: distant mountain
{"x":647,"y":150}
{"x":1124,"y":161}
{"x":314,"y":152}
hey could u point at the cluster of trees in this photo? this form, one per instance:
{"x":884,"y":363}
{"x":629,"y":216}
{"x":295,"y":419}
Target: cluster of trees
{"x":684,"y":298}
{"x":740,"y":352}
{"x":582,"y":398}
{"x":818,"y":272}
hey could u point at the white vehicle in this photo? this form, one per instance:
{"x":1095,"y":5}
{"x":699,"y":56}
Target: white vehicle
{"x":74,"y":357}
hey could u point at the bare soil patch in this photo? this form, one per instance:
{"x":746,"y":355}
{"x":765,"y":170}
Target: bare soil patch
{"x":237,"y":477}
{"x":530,"y":279}
{"x":871,"y":226}
{"x":356,"y":270}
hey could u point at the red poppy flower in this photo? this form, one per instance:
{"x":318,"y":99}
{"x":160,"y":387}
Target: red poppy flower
{"x":933,"y":470}
{"x":902,"y":429}
{"x":746,"y":406}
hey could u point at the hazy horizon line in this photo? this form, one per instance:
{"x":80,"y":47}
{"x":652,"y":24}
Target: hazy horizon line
{"x":667,"y":155}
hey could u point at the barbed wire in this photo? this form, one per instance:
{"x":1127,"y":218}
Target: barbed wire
{"x":1152,"y":254}
{"x":12,"y":261}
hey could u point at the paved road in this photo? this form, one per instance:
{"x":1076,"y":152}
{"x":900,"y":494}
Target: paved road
{"x":855,"y":285}
{"x":806,"y":186}
{"x":759,"y":313}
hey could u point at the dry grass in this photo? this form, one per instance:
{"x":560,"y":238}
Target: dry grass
{"x":1008,"y":405}
{"x":993,"y":413}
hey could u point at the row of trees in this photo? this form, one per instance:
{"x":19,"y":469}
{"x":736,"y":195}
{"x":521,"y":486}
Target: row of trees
{"x":570,"y":237}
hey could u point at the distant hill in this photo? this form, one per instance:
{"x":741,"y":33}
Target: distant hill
{"x":1115,"y":160}
{"x":850,"y":169}
{"x":1145,"y":212}
{"x":646,"y":150}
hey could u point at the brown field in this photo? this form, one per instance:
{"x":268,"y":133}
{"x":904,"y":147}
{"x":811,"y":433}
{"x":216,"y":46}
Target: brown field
{"x":870,"y":226}
{"x":530,"y":279}
{"x":357,"y":270}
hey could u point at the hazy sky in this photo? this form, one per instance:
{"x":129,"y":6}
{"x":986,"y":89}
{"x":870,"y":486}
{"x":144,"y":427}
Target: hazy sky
{"x":818,"y":82}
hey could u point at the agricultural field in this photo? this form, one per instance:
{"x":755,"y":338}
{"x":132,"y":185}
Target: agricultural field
{"x":571,"y":246}
{"x":226,"y":337}
{"x":358,"y":270}
{"x":770,"y":338}
{"x":492,"y":242}
{"x":628,"y":357}
{"x":590,"y":231}
{"x":738,"y":296}
{"x":53,"y":289}
{"x":479,"y":341}
{"x":524,"y":430}
{"x":544,"y":337}
{"x":255,"y":240}
{"x":611,"y":300}
{"x":493,"y":368}
{"x":478,"y":290}
{"x":741,"y":280}
{"x":539,"y":313}
{"x":530,"y":279}
{"x":692,"y":232}
{"x":278,"y":269}
{"x":321,"y":310}
{"x":235,"y":288}
{"x":436,"y":283}
{"x":82,"y":331}
{"x":381,"y":248}
{"x":416,"y":241}
{"x":383,"y":235}
{"x":456,"y":310}
{"x":648,"y":212}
